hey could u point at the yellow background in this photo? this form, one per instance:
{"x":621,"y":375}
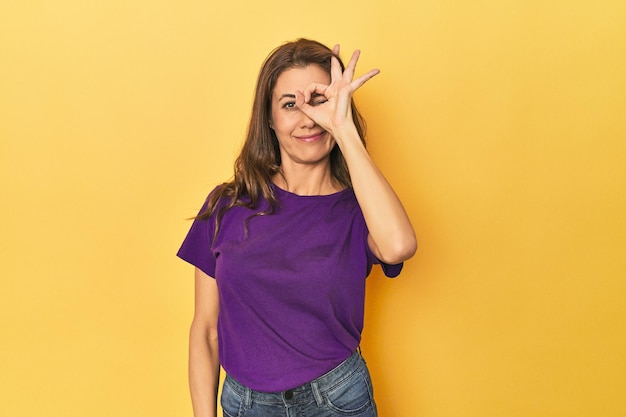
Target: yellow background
{"x":500,"y":124}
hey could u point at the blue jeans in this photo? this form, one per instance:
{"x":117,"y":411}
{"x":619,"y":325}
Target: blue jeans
{"x":344,"y":391}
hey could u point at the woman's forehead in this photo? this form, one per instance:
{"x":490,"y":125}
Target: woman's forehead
{"x":299,"y":78}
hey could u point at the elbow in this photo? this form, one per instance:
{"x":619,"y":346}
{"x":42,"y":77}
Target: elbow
{"x":203,"y":334}
{"x":212,"y":336}
{"x":400,"y":250}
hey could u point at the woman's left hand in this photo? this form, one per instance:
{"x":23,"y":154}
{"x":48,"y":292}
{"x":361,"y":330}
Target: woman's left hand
{"x":334,"y":114}
{"x":391,"y":236}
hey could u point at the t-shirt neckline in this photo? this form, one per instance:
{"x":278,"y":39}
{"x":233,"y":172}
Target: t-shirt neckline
{"x":283,"y":192}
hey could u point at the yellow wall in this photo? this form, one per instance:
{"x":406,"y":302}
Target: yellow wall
{"x":500,"y":123}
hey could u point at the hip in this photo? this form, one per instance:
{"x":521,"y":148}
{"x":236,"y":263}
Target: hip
{"x":346,"y":390}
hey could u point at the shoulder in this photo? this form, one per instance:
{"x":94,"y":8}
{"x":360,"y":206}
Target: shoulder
{"x":346,"y":199}
{"x":219,"y":198}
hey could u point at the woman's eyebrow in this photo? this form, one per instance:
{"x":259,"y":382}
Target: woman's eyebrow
{"x":288,"y":95}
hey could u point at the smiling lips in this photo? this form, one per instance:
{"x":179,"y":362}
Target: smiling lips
{"x":311,"y":138}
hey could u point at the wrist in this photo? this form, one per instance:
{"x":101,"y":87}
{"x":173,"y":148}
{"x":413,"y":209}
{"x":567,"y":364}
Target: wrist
{"x":346,"y":134}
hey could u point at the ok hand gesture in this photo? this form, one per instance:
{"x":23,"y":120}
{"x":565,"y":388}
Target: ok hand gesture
{"x":335,"y":114}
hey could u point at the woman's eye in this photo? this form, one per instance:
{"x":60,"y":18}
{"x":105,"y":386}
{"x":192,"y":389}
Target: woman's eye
{"x":320,"y":101}
{"x":289,"y":105}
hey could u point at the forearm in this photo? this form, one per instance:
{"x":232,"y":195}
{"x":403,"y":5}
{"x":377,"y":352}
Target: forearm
{"x":203,"y":371}
{"x":388,"y":223}
{"x":391,"y":237}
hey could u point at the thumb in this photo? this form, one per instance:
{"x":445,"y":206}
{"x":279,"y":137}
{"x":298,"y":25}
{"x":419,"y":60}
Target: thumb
{"x":302,"y":104}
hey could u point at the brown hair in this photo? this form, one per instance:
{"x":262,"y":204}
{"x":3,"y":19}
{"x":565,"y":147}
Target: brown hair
{"x":259,"y":159}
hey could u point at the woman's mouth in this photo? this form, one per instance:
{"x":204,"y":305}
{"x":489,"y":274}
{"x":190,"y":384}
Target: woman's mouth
{"x":311,"y":138}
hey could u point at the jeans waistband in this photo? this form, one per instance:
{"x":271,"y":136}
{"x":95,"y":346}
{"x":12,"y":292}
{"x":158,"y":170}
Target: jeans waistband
{"x":303,"y":393}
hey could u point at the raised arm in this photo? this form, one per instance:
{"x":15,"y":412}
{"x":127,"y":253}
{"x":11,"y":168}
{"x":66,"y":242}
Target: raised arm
{"x":391,"y":238}
{"x":203,"y":347}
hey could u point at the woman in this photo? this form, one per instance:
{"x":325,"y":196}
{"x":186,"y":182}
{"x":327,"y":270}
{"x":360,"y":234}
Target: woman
{"x":282,"y":251}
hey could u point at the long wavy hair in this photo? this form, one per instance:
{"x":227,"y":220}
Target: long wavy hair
{"x":259,"y":160}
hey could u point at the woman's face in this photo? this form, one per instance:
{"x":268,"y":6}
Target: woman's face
{"x":300,"y":140}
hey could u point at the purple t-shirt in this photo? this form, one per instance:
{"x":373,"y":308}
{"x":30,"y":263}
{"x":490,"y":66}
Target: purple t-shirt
{"x":292,"y":291}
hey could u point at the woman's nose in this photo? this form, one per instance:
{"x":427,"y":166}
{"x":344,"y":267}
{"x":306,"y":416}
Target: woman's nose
{"x":306,"y":121}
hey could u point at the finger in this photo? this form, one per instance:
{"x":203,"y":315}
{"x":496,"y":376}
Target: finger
{"x":335,"y":66}
{"x":363,"y":79}
{"x":315,"y":88}
{"x":304,"y":106}
{"x":349,"y":72}
{"x":302,"y":103}
{"x":301,"y":100}
{"x":335,"y":69}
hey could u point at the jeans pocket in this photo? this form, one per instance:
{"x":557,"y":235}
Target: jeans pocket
{"x":351,"y":397}
{"x":231,"y":401}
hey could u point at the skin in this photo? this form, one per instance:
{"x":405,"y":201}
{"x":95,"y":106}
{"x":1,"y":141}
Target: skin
{"x":204,"y":367}
{"x":304,"y":145}
{"x":311,"y":113}
{"x":325,"y":104}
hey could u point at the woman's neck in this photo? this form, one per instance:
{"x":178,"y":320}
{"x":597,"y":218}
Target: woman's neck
{"x":307,"y":180}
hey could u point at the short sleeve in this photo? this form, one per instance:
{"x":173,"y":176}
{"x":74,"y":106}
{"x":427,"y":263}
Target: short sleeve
{"x":390,"y":270}
{"x":196,"y":248}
